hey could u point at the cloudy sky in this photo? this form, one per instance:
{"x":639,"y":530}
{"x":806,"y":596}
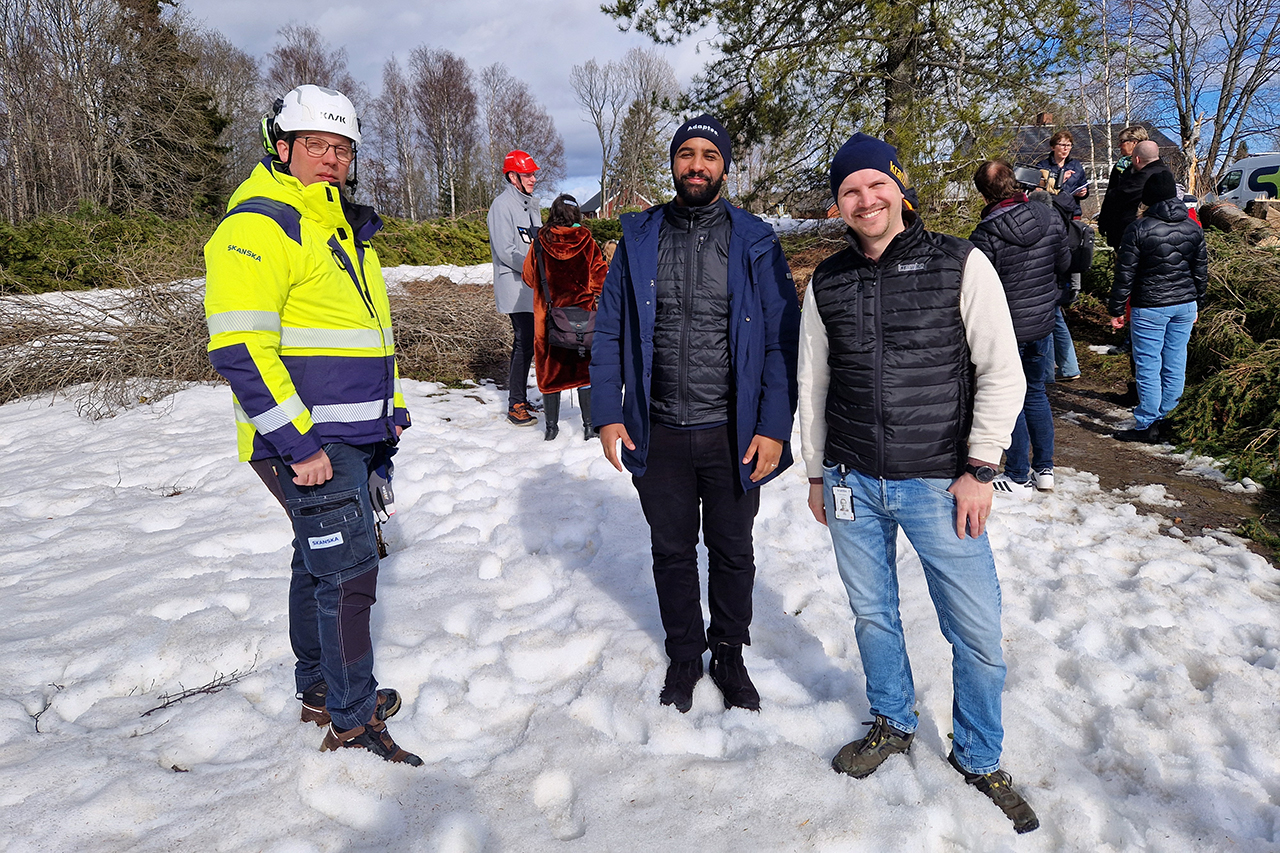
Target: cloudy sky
{"x":539,"y":41}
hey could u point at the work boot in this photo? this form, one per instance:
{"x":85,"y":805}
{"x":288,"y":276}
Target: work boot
{"x":372,"y":736}
{"x":730,"y":675}
{"x":861,"y":758}
{"x":998,"y":786}
{"x":551,"y":407}
{"x":313,"y":709}
{"x":584,"y":402}
{"x":519,"y":415}
{"x":682,"y":677}
{"x":1146,"y":435}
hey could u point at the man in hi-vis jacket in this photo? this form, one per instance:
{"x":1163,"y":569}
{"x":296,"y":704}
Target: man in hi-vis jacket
{"x":300,"y":325}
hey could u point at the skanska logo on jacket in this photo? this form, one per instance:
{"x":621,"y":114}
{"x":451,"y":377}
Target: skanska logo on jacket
{"x":245,"y":252}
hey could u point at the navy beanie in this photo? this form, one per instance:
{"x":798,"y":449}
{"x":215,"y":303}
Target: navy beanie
{"x":1159,"y":187}
{"x":866,"y":152}
{"x":708,"y":128}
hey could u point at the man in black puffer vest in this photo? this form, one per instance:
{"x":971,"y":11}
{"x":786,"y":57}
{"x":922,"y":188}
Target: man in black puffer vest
{"x":1027,"y":244}
{"x":1162,"y":271}
{"x":909,"y":387}
{"x":693,"y":369}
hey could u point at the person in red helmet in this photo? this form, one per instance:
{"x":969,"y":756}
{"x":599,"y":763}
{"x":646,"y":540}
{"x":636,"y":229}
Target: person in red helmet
{"x":513,"y":217}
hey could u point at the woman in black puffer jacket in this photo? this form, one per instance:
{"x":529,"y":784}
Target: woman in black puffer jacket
{"x":1162,"y":271}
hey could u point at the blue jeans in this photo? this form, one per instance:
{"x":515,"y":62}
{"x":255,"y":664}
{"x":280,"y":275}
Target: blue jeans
{"x":334,"y":580}
{"x":1064,"y":351}
{"x":1160,"y":338}
{"x":1033,"y":431}
{"x":961,"y":575}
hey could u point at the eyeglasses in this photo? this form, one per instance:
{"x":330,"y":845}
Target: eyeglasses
{"x":317,"y":147}
{"x":1062,"y":145}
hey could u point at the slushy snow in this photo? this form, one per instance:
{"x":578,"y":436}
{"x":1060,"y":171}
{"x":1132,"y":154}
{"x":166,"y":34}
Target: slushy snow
{"x":517,"y":618}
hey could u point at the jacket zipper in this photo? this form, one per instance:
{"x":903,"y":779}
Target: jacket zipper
{"x":686,"y":307}
{"x":878,"y":378}
{"x":344,"y":261}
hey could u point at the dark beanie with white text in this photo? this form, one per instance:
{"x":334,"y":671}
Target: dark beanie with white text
{"x":707,"y":128}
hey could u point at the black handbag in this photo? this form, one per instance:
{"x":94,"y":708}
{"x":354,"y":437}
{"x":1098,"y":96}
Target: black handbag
{"x":568,"y":327}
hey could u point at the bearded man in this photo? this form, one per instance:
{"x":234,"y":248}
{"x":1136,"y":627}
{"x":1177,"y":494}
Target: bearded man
{"x":693,"y":369}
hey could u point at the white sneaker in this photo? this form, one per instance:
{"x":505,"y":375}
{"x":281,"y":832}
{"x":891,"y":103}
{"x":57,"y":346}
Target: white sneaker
{"x":1012,"y":488}
{"x":1044,"y":480}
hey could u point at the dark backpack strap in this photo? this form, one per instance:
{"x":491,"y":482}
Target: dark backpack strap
{"x":541,"y":268}
{"x":288,"y":218}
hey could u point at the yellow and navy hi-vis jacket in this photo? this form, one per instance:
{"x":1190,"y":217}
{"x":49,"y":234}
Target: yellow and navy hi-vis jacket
{"x":299,"y":321}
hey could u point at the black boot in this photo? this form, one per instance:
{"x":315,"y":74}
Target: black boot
{"x":730,"y":675}
{"x":584,"y":402}
{"x":551,"y":414}
{"x":682,"y":677}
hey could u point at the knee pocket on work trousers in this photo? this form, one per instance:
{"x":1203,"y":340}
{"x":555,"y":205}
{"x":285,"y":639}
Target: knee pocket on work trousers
{"x":333,"y":532}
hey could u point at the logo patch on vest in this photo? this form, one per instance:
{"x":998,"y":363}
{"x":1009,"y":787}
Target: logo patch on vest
{"x":910,"y":267}
{"x":315,"y":543}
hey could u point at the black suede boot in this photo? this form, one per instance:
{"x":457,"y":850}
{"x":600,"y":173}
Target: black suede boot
{"x":584,"y":402}
{"x":682,"y":677}
{"x":551,"y":414}
{"x":730,"y":675}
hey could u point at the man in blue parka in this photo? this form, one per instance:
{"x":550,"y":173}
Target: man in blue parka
{"x":693,"y":369}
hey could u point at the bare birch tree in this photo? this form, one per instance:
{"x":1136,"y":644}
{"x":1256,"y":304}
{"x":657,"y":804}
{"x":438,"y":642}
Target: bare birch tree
{"x":1219,"y":59}
{"x":514,"y":119}
{"x":444,"y":101}
{"x":301,"y":56}
{"x":603,"y":94}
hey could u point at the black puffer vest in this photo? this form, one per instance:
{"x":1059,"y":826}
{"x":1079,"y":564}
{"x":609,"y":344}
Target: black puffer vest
{"x":692,"y":374}
{"x":900,"y":402}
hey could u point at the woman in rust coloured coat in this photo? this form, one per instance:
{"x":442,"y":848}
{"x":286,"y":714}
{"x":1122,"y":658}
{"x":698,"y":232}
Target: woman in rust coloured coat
{"x":575,"y":271}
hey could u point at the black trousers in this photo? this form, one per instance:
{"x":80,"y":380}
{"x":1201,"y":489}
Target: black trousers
{"x":692,"y":481}
{"x":521,"y":357}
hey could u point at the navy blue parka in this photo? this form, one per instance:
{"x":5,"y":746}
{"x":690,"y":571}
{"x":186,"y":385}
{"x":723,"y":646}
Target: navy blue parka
{"x":764,"y":335}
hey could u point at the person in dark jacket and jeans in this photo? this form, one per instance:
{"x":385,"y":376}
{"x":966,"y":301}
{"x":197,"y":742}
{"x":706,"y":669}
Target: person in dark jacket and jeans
{"x":693,"y":369}
{"x":1162,"y":271}
{"x":1027,"y":244}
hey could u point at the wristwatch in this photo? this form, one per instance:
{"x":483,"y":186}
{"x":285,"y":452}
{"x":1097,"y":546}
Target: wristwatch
{"x":981,"y":473}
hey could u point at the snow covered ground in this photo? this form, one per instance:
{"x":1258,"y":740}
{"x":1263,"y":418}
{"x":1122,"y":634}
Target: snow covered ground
{"x":517,"y":618}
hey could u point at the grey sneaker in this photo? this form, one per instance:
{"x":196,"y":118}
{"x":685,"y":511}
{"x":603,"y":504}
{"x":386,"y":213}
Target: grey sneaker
{"x":998,"y":786}
{"x":861,"y":758}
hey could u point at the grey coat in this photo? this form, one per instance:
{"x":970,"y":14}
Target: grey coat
{"x":512,"y":216}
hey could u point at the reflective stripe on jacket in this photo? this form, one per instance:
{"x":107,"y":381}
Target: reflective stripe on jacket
{"x":299,"y":320}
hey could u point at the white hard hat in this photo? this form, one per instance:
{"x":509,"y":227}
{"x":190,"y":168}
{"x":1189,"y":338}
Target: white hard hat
{"x":317,"y":108}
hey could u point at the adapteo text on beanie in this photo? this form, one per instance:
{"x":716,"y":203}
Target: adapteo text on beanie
{"x":866,"y":152}
{"x":706,"y":127}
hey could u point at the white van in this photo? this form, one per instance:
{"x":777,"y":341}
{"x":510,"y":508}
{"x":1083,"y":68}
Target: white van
{"x":1252,"y":177}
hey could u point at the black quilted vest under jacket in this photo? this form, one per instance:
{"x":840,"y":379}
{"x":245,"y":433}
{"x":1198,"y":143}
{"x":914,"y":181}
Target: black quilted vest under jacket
{"x":900,"y":401}
{"x":692,"y":373}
